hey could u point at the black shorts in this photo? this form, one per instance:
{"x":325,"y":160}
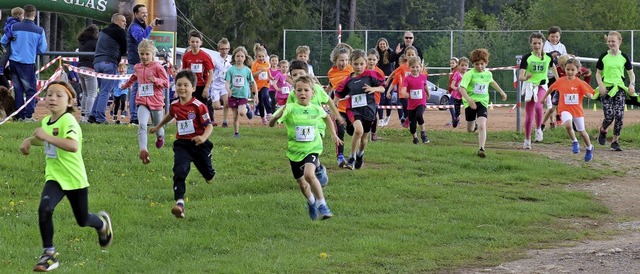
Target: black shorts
{"x":472,"y":114}
{"x":297,"y":168}
{"x":366,"y":125}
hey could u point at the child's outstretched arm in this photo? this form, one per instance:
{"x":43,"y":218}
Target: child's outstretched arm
{"x":335,"y":112}
{"x":130,"y":82}
{"x":166,"y":119}
{"x":497,"y":87}
{"x":472,"y":103}
{"x":69,"y":145}
{"x":277,"y":116}
{"x":254,"y":89}
{"x":27,"y":143}
{"x":546,"y":94}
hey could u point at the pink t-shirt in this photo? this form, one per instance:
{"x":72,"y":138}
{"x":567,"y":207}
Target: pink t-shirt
{"x":285,"y":88}
{"x":271,"y":82}
{"x":455,"y":79}
{"x":416,"y":88}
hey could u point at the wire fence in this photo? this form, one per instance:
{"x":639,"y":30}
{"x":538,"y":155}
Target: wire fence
{"x":440,"y":45}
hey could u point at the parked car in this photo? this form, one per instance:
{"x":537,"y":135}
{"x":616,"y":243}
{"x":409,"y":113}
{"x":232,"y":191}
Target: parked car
{"x":437,"y":96}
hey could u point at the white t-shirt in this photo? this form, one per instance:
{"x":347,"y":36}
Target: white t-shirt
{"x":310,"y":68}
{"x":548,"y":47}
{"x":219,"y":71}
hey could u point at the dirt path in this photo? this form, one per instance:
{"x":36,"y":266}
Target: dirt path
{"x":617,"y":254}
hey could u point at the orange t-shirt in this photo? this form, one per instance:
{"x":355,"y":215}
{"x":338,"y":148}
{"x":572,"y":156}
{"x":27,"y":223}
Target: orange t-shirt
{"x":570,"y":94}
{"x":381,"y":74}
{"x":262,"y":80}
{"x":336,"y":77}
{"x":398,"y":77}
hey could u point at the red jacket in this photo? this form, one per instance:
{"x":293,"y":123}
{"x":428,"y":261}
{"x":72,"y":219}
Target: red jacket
{"x":160,"y":81}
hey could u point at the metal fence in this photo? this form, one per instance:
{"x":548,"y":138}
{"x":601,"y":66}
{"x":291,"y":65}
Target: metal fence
{"x":439,"y":45}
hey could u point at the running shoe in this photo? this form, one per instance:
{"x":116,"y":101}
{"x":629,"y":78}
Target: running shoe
{"x":481,"y":153}
{"x":575,"y":147}
{"x":589,"y":155}
{"x":325,"y":212}
{"x":342,"y":163}
{"x":160,"y":142}
{"x":105,"y":238}
{"x":527,"y":144}
{"x":144,"y":156}
{"x":615,"y":146}
{"x":321,"y":175}
{"x":539,"y":135}
{"x":359,"y":161}
{"x":178,"y":211}
{"x":313,"y":211}
{"x":602,"y":138}
{"x":47,"y":262}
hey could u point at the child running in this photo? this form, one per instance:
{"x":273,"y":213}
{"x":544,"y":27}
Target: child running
{"x":152,"y":80}
{"x":571,"y":90}
{"x":454,"y":88}
{"x":120,"y":95}
{"x":340,"y":70}
{"x":240,"y":85}
{"x":474,"y":88}
{"x":414,"y":87}
{"x":372,"y":64}
{"x":398,"y":76}
{"x":533,"y":71}
{"x":305,"y":144}
{"x":282,"y":87}
{"x":274,"y":69}
{"x":262,"y":76}
{"x":65,"y":174}
{"x":192,"y":139}
{"x":358,"y":89}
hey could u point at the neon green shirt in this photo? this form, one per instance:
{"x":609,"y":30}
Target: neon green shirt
{"x":302,"y":130}
{"x":538,"y":67}
{"x":320,"y":97}
{"x":477,"y":86}
{"x":64,"y":167}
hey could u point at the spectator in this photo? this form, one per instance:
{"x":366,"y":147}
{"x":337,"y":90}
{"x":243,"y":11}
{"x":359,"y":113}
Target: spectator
{"x":112,"y":45}
{"x":408,"y":41}
{"x":87,"y":40}
{"x":138,"y":31}
{"x":29,"y":41}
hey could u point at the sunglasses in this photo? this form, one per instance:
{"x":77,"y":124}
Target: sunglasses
{"x":408,"y":38}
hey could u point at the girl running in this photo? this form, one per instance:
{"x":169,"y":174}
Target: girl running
{"x":414,"y":87}
{"x":152,"y":80}
{"x":610,"y":77}
{"x":65,"y":173}
{"x":570,"y":91}
{"x":372,"y":61}
{"x":262,"y":76}
{"x":533,"y":71}
{"x":240,"y":85}
{"x":454,"y":88}
{"x":341,"y":70}
{"x":358,"y":90}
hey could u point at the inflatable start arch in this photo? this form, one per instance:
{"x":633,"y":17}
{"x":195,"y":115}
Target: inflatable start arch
{"x":101,"y":10}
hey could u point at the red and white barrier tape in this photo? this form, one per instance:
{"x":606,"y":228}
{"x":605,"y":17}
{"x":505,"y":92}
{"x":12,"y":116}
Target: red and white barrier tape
{"x":489,"y":69}
{"x":46,"y":66}
{"x":447,"y":106}
{"x":52,"y":78}
{"x":99,"y":75}
{"x":76,"y":59}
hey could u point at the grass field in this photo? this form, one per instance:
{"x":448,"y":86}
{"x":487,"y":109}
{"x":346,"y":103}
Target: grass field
{"x":412,"y":208}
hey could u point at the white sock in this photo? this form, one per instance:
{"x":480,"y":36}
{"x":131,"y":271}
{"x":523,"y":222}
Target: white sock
{"x":575,"y":140}
{"x":320,"y":202}
{"x":360,"y":153}
{"x":49,"y":250}
{"x":180,"y":201}
{"x":590,"y":147}
{"x":311,"y":200}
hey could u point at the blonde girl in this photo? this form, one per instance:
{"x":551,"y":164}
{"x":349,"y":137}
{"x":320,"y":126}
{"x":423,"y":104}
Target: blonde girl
{"x":240,"y":84}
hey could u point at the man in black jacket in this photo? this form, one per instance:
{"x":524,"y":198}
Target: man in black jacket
{"x":408,"y":41}
{"x":112,"y":45}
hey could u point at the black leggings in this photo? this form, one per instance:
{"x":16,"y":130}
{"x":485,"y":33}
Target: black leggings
{"x":613,"y":108}
{"x":340,"y":130}
{"x":415,"y":117}
{"x":52,"y":194}
{"x":118,"y":104}
{"x":456,"y":108}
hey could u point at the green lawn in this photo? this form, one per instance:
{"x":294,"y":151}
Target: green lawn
{"x":412,"y":208}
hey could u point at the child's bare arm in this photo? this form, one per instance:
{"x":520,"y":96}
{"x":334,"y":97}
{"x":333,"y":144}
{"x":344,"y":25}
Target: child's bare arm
{"x":166,"y":119}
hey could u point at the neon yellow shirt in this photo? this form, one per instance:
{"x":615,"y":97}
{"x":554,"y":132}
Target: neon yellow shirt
{"x":66,"y":168}
{"x":477,"y":86}
{"x":303,"y":133}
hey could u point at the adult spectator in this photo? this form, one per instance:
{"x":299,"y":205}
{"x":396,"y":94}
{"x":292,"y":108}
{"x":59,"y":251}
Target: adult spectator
{"x":138,"y":31}
{"x":87,"y":40}
{"x":112,"y":45}
{"x":387,"y":56}
{"x":29,"y":41}
{"x":3,"y":78}
{"x":408,"y":41}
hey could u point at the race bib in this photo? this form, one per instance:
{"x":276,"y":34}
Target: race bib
{"x":286,"y":90}
{"x":415,"y":94}
{"x":359,"y":100}
{"x":185,"y":127}
{"x":50,"y":150}
{"x":263,"y":76}
{"x":305,"y":133}
{"x":537,"y":66}
{"x":145,"y":90}
{"x":238,"y":81}
{"x":273,"y":82}
{"x":480,"y":88}
{"x":571,"y":99}
{"x":196,"y":68}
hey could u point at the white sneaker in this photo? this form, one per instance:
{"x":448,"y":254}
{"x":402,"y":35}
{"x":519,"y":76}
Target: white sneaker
{"x":539,"y":135}
{"x":386,"y":121}
{"x":380,"y":122}
{"x":527,"y":144}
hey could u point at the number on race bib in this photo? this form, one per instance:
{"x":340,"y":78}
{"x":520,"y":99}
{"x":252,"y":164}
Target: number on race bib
{"x":185,"y":127}
{"x":286,"y":90}
{"x":415,"y":94}
{"x":480,"y":88}
{"x":571,"y":99}
{"x":359,"y":100}
{"x":196,"y":68}
{"x":238,"y":81}
{"x":537,"y":66}
{"x":263,"y":76}
{"x":145,"y":90}
{"x":305,"y":133}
